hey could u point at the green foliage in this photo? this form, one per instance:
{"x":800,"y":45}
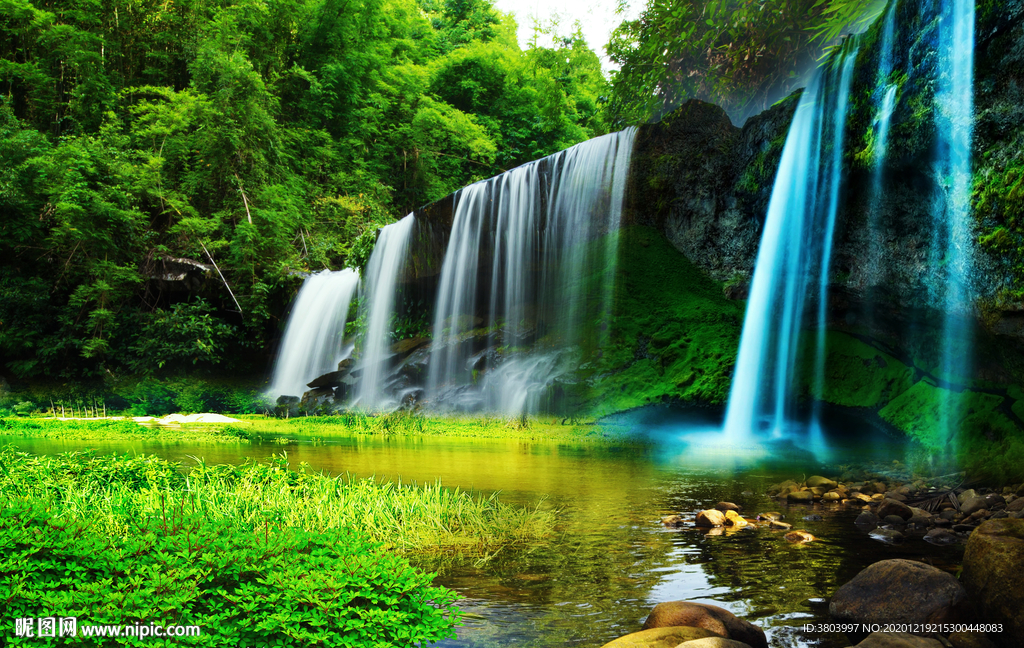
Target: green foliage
{"x":742,"y":56}
{"x":268,"y":139}
{"x":242,"y":586}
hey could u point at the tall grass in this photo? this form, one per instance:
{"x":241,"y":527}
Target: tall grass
{"x":114,"y":493}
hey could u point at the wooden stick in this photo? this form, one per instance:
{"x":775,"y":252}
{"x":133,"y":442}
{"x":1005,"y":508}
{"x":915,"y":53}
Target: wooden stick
{"x":245,"y":200}
{"x":208,"y":256}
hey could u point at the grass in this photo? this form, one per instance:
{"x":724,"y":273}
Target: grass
{"x":113,"y":493}
{"x":112,"y":430}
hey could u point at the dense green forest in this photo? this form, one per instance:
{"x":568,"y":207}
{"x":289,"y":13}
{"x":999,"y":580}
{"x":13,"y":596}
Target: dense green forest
{"x":169,"y":170}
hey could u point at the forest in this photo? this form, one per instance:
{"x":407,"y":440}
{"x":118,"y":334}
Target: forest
{"x":171,"y":171}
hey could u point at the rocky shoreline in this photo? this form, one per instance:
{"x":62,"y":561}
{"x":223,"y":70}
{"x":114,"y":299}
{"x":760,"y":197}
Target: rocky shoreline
{"x":892,"y":603}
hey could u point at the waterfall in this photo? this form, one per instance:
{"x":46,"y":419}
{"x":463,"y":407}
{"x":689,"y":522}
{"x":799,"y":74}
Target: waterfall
{"x":952,"y":244}
{"x":530,"y":262}
{"x":312,"y":343}
{"x":382,"y":272}
{"x":885,"y":97}
{"x":795,"y":247}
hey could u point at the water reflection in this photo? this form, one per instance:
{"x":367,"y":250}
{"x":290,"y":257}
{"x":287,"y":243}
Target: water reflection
{"x":612,"y":560}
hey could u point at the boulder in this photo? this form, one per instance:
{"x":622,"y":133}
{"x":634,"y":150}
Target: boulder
{"x":888,"y":536}
{"x":972,"y":504}
{"x":707,"y":617}
{"x":801,"y":497}
{"x":713,"y":642}
{"x":659,"y":638}
{"x":866,"y":520}
{"x":898,"y":591}
{"x":992,"y":565}
{"x":710,"y":518}
{"x":891,"y":506}
{"x":898,"y":640}
{"x":894,"y":521}
{"x":799,"y":537}
{"x":1016,"y":505}
{"x":672,"y":520}
{"x":941,"y":537}
{"x":831,"y":496}
{"x":732,"y":518}
{"x":728,"y":506}
{"x":777,"y":524}
{"x":819,"y":481}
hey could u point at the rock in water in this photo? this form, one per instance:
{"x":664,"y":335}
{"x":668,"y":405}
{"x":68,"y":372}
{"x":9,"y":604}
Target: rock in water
{"x":728,"y":506}
{"x":818,"y":480}
{"x":993,"y":564}
{"x":799,"y":537}
{"x":898,"y":640}
{"x":659,"y":638}
{"x":710,"y":518}
{"x":897,"y":591}
{"x":892,"y":507}
{"x":732,"y":518}
{"x":801,"y":497}
{"x":708,"y":617}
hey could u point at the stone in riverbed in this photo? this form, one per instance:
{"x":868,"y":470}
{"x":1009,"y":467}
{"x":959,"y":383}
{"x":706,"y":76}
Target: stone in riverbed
{"x":777,"y":524}
{"x":894,"y":521}
{"x":732,"y":518}
{"x":973,"y":504}
{"x":713,"y":642}
{"x":831,"y":496}
{"x":866,"y":521}
{"x":992,"y":565}
{"x":1016,"y":505}
{"x":898,"y":591}
{"x":817,"y":480}
{"x":801,"y":497}
{"x":890,"y":506}
{"x":888,"y":536}
{"x":659,"y":638}
{"x":707,"y":617}
{"x":941,"y":537}
{"x":898,"y":640}
{"x":710,"y":518}
{"x":799,"y":537}
{"x":728,"y":506}
{"x":672,"y":520}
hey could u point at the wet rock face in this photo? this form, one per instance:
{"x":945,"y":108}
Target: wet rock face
{"x":898,"y":591}
{"x":708,"y":617}
{"x":991,"y":574}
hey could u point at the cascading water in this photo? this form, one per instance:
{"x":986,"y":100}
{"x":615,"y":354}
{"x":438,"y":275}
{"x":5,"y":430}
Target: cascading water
{"x":795,"y":247}
{"x":523,"y":269}
{"x":382,"y":271}
{"x":885,"y":98}
{"x":952,"y":243}
{"x":312,"y":343}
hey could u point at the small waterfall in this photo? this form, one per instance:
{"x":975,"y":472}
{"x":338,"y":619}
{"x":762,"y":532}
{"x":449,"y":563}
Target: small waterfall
{"x":382,"y":271}
{"x":312,"y":343}
{"x":885,"y":98}
{"x":795,"y":247}
{"x":524,"y":271}
{"x":952,"y":245}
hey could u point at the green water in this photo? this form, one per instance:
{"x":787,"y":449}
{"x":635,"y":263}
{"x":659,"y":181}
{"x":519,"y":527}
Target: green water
{"x":612,"y":560}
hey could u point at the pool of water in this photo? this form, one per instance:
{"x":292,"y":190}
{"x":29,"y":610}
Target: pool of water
{"x":612,"y":560}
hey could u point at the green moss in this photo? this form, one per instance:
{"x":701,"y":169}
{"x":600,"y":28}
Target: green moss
{"x":859,"y":375}
{"x":673,"y":334}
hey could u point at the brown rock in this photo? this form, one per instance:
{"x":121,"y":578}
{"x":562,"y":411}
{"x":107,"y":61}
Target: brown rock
{"x":710,"y":518}
{"x":770,"y":515}
{"x":799,"y":537}
{"x":897,"y":591}
{"x":801,"y":497}
{"x":817,"y":480}
{"x":831,"y":496}
{"x":778,"y":524}
{"x":972,"y":504}
{"x":1016,"y":505}
{"x":728,"y":506}
{"x":992,"y":565}
{"x":713,"y":642}
{"x":970,"y":640}
{"x":707,"y":617}
{"x":890,"y":506}
{"x":898,"y":640}
{"x":659,"y":638}
{"x":732,"y":518}
{"x":672,"y":520}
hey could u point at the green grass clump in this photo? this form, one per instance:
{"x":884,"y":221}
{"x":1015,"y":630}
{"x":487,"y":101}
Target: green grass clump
{"x":242,"y":585}
{"x":114,"y":430}
{"x":113,"y":492}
